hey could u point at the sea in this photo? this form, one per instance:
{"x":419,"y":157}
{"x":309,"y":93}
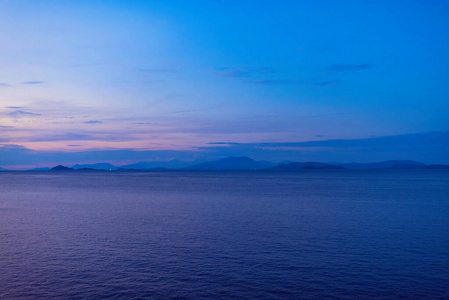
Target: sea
{"x":311,"y":234}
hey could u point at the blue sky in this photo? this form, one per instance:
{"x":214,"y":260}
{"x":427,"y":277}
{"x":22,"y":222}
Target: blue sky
{"x":121,"y":81}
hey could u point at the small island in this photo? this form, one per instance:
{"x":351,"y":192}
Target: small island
{"x":61,"y":168}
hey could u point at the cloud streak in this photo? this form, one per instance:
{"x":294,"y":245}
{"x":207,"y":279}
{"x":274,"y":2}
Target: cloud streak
{"x":243,"y":72}
{"x":73,"y":136}
{"x":270,"y":77}
{"x":405,"y":140}
{"x":19,"y":113}
{"x":189,"y":110}
{"x":157,"y":71}
{"x":33,"y":82}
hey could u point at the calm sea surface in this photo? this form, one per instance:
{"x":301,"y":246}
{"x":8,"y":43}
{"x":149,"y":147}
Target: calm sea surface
{"x":231,"y":235}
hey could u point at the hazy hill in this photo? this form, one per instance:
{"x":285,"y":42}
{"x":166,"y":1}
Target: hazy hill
{"x":232,"y":163}
{"x":61,"y":168}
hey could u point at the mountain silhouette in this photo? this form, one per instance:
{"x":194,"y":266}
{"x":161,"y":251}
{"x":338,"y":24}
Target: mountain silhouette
{"x":61,"y":168}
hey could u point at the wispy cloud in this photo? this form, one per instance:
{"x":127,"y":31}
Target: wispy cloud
{"x":223,"y":143}
{"x":14,"y":107}
{"x":242,"y":72}
{"x":305,"y":83}
{"x":269,"y":77}
{"x":404,"y":141}
{"x":188,"y":110}
{"x":142,"y":123}
{"x":84,"y":136}
{"x":19,"y":113}
{"x":349,"y":67}
{"x":33,"y":82}
{"x":70,"y":136}
{"x":179,"y":112}
{"x":4,"y":84}
{"x":93,"y":122}
{"x":157,"y":71}
{"x":86,"y":65}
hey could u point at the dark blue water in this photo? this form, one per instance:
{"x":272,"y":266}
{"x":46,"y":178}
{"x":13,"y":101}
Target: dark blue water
{"x":232,"y":235}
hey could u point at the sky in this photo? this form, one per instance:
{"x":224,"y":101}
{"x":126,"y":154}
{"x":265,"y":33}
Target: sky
{"x":91,"y":81}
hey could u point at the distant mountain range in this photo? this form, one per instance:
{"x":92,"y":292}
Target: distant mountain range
{"x":245,"y":163}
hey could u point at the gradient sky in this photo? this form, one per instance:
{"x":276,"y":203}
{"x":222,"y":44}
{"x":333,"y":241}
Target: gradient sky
{"x":121,"y":81}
